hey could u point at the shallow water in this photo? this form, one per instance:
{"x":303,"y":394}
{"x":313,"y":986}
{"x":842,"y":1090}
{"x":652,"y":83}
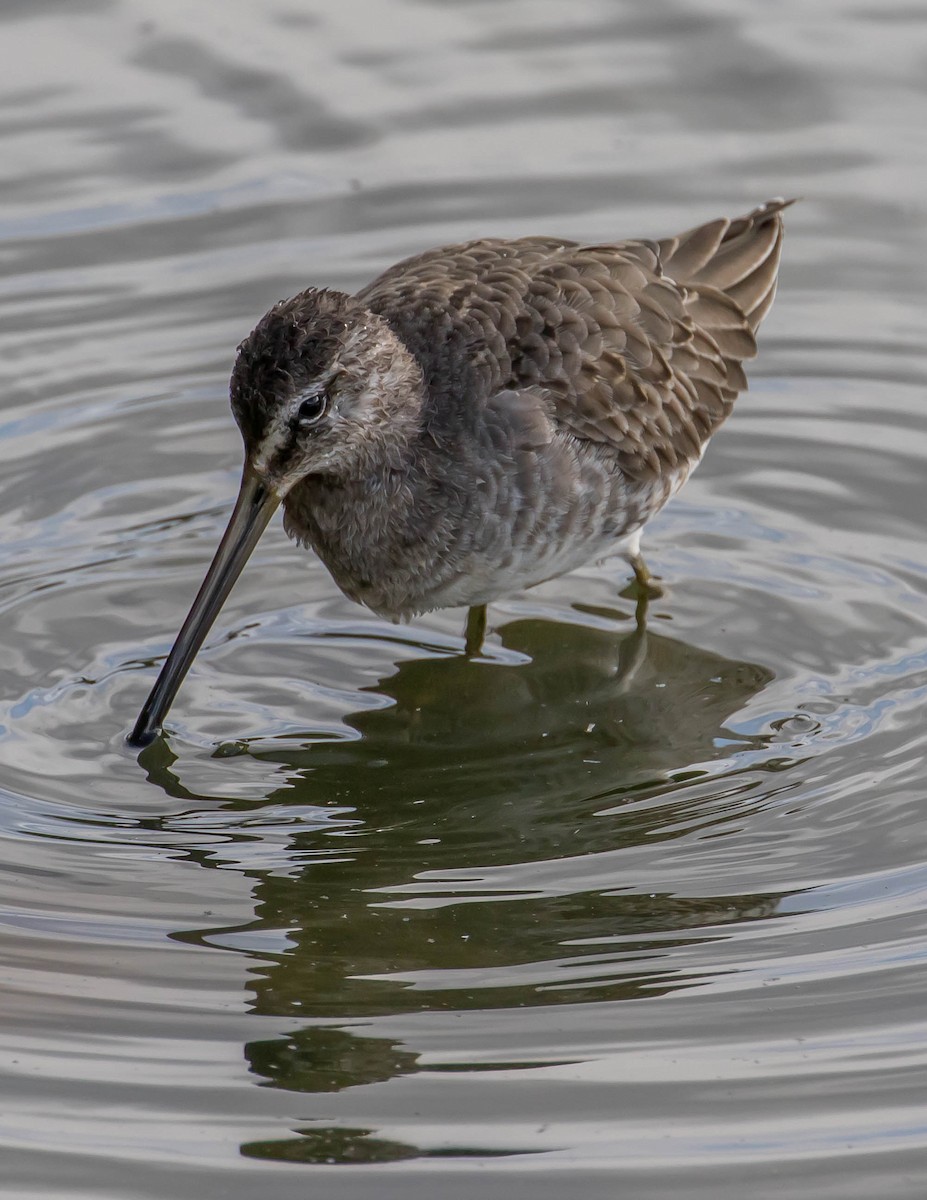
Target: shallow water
{"x":618,"y":909}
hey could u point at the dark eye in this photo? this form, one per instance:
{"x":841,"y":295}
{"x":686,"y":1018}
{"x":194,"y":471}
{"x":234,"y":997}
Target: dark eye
{"x":312,"y":408}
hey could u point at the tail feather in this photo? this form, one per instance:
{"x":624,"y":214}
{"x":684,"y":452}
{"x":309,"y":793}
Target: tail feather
{"x":687,"y":254}
{"x":739,"y":257}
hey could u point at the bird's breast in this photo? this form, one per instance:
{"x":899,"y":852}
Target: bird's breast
{"x":480,"y":529}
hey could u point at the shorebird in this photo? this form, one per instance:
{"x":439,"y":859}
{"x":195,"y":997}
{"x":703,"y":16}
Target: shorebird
{"x":486,"y":416}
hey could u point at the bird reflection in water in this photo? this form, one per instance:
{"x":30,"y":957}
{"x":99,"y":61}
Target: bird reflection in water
{"x":491,"y":807}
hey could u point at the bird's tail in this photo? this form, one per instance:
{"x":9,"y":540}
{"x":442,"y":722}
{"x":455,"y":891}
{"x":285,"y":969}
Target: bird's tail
{"x":739,"y":257}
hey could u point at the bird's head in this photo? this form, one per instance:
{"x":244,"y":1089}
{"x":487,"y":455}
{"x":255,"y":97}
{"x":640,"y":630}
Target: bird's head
{"x":322,"y":386}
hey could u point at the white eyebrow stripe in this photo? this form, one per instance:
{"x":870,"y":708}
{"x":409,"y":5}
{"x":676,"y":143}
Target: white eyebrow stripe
{"x":274,"y":439}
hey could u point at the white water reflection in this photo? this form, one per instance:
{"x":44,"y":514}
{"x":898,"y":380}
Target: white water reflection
{"x":604,"y":911}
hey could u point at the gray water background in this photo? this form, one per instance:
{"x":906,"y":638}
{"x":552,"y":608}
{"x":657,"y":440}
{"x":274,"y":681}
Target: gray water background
{"x":611,"y":913}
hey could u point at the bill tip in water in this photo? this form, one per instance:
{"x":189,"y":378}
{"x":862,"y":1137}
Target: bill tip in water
{"x":142,"y":736}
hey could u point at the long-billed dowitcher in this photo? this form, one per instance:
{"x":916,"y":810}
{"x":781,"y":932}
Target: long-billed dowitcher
{"x":485,"y":416}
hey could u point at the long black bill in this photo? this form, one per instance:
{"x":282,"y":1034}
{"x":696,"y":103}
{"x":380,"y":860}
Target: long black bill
{"x":253,"y":509}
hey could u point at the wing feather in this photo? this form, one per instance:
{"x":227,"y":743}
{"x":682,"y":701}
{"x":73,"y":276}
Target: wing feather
{"x":639,"y":345}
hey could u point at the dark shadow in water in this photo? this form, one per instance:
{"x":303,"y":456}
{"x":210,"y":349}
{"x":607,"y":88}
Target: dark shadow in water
{"x":488,"y":800}
{"x":344,"y":1144}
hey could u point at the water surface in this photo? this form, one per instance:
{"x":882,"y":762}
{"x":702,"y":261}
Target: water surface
{"x":620,"y":908}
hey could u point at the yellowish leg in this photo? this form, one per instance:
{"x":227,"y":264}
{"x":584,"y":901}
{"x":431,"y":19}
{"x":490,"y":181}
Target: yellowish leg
{"x":645,"y":581}
{"x":640,"y":611}
{"x":475,"y":631}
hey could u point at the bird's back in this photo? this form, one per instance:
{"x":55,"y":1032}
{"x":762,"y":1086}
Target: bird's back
{"x":637,"y":346}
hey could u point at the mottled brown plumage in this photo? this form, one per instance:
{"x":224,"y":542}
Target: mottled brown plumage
{"x":639,"y":344}
{"x":485,"y":416}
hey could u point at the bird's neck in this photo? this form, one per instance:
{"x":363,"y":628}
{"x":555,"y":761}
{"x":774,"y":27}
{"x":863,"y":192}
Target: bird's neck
{"x":373,"y":528}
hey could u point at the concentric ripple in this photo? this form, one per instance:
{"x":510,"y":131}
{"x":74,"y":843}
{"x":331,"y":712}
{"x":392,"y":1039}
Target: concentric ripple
{"x":626,"y":907}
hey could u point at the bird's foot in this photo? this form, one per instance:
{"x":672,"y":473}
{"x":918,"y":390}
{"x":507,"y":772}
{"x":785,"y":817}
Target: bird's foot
{"x":644,"y":585}
{"x":636,"y":590}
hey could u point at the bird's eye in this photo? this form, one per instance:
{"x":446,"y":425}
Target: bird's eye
{"x":312,"y":408}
